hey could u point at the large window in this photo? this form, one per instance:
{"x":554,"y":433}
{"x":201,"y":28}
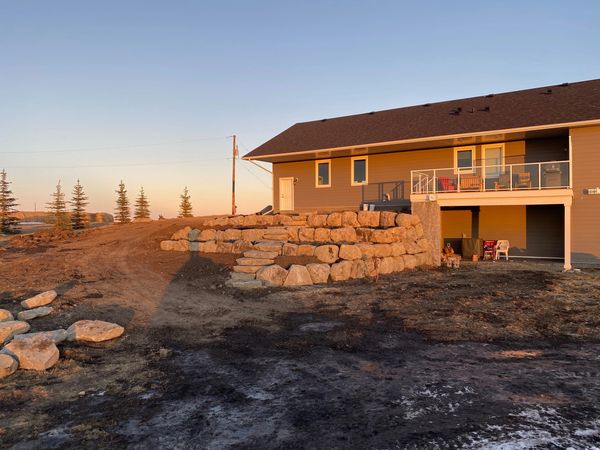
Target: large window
{"x":323,"y":173}
{"x":464,"y":159}
{"x":493,"y":159}
{"x":360,"y":170}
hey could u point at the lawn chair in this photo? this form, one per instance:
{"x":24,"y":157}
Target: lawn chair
{"x":446,"y":184}
{"x":489,"y":249}
{"x":502,"y":183}
{"x":523,"y":180}
{"x":470,"y":182}
{"x":502,"y":249}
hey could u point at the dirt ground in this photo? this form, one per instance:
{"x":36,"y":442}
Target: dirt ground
{"x":494,"y":355}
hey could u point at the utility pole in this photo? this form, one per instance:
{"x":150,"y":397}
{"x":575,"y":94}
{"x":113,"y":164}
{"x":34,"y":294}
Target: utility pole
{"x":235,"y":154}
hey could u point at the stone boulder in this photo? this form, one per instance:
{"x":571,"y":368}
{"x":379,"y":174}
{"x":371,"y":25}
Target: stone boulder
{"x":350,"y":252}
{"x":397,"y":249}
{"x":364,"y":234}
{"x":232,"y":234}
{"x":289,"y":249}
{"x":224,"y":247}
{"x":410,"y":262}
{"x":399,"y":233}
{"x":334,"y":220}
{"x":293,"y":233}
{"x":240,"y":276}
{"x":306,"y":250}
{"x":387,"y":219}
{"x":369,"y":218}
{"x":10,"y":328}
{"x":327,"y":253}
{"x":358,"y":269}
{"x":181,"y":246}
{"x":207,"y":235}
{"x":341,"y":271}
{"x":181,"y":234}
{"x":350,"y":219}
{"x":345,"y":234}
{"x":260,"y":254}
{"x":244,"y":285}
{"x":247,"y":269}
{"x":8,"y":365}
{"x":241,"y":246}
{"x":35,"y":312}
{"x":382,"y":236}
{"x":411,"y":234}
{"x":414,"y":220}
{"x":5,"y":315}
{"x":236,"y":221}
{"x":269,"y":246}
{"x":254,"y":262}
{"x":43,"y":299}
{"x":196,"y":246}
{"x":253,"y":234}
{"x":317,"y":220}
{"x":319,"y":273}
{"x":398,"y":263}
{"x":194,"y":235}
{"x":306,"y":234}
{"x":33,"y":354}
{"x":56,"y":336}
{"x":272,"y":275}
{"x":322,"y":235}
{"x":367,"y":250}
{"x":210,"y":247}
{"x":404,"y":220}
{"x":386,"y":265}
{"x":94,"y":331}
{"x":276,"y":234}
{"x":250,"y":221}
{"x":298,"y":276}
{"x":382,"y":250}
{"x":419,"y":230}
{"x":167,"y":245}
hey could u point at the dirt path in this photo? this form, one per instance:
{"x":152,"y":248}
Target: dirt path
{"x":490,"y":356}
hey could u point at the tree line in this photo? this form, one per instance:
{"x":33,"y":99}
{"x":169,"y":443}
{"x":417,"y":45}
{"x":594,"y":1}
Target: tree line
{"x":72,"y":214}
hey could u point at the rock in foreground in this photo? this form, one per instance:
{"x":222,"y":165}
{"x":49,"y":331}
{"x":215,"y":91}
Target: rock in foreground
{"x":35,"y":312}
{"x":5,"y":315}
{"x":37,"y":353}
{"x":56,"y":336}
{"x":8,"y":365}
{"x":94,"y":331}
{"x":11,"y":327}
{"x":42,"y":299}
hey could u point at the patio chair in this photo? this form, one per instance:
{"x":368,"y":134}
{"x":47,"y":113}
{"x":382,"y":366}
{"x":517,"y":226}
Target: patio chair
{"x":502,"y":183}
{"x":489,"y":249}
{"x":470,"y":182}
{"x":523,"y":180}
{"x":502,"y":249}
{"x":446,"y":184}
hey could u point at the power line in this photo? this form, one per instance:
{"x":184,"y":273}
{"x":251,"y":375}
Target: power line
{"x":94,"y":166}
{"x":256,"y":176}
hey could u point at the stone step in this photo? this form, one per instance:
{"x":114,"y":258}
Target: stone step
{"x":254,"y":262}
{"x":269,"y":246}
{"x":241,"y":276}
{"x":260,"y":254}
{"x":247,"y":269}
{"x":244,"y":285}
{"x":276,"y":236}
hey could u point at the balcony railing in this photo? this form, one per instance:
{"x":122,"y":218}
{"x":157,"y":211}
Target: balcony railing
{"x":492,"y":178}
{"x":388,"y":192}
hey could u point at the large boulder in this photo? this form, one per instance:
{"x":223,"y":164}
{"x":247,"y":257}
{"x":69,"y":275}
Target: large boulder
{"x":8,"y":365}
{"x":306,"y":234}
{"x":269,"y":246}
{"x":167,"y":245}
{"x":56,"y":336}
{"x":254,"y":262}
{"x":33,"y":354}
{"x":232,"y":234}
{"x":345,"y":234}
{"x":358,"y":269}
{"x":369,"y":218}
{"x":247,"y":269}
{"x":411,"y":234}
{"x":414,"y":220}
{"x":404,"y":220}
{"x":334,"y":220}
{"x":387,"y":219}
{"x":43,"y":299}
{"x":236,"y":221}
{"x":260,"y":254}
{"x":209,"y":247}
{"x":319,"y":273}
{"x":35,"y":312}
{"x":5,"y":315}
{"x":306,"y":250}
{"x":253,"y":234}
{"x":367,"y":250}
{"x":410,"y":262}
{"x":289,"y":249}
{"x":364,"y":234}
{"x":241,"y":246}
{"x":272,"y":275}
{"x":293,"y":232}
{"x":327,"y":253}
{"x":398,"y":263}
{"x":322,"y":235}
{"x":399,"y":233}
{"x":350,"y":219}
{"x":397,"y":249}
{"x":250,"y":221}
{"x":224,"y":247}
{"x":350,"y":252}
{"x":276,"y":234}
{"x":207,"y":235}
{"x":420,"y":231}
{"x":94,"y":331}
{"x":317,"y":220}
{"x":382,"y":250}
{"x":382,"y":236}
{"x":181,"y":234}
{"x":194,"y":235}
{"x":181,"y":246}
{"x":387,"y":265}
{"x":244,"y":285}
{"x":341,"y":271}
{"x":298,"y":276}
{"x":10,"y":328}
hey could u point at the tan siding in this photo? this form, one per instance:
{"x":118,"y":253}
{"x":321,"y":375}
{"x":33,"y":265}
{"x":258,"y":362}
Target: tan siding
{"x":586,"y":208}
{"x":455,"y":224}
{"x":504,"y":222}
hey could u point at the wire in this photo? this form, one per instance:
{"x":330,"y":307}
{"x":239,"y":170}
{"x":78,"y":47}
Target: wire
{"x":257,"y":177}
{"x":119,"y":165}
{"x":93,"y":149}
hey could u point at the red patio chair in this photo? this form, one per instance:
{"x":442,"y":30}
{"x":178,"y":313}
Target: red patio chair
{"x":446,"y":184}
{"x":489,"y":249}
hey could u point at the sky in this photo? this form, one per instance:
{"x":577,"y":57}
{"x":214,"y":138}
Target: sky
{"x":149,"y":92}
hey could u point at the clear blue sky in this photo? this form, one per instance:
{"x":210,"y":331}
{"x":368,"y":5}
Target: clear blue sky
{"x":109,"y":90}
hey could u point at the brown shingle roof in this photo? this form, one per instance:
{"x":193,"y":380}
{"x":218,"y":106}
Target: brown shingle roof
{"x":563,"y":103}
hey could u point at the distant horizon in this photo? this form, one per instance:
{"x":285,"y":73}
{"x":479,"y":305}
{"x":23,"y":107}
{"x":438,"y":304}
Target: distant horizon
{"x":150,"y":93}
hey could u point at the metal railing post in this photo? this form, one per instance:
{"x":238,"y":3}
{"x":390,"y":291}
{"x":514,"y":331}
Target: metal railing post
{"x":435,"y":181}
{"x":510,"y":182}
{"x":458,"y":178}
{"x":539,"y":176}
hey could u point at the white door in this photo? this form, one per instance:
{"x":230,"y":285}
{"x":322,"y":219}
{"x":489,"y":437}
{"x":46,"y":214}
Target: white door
{"x":286,"y":194}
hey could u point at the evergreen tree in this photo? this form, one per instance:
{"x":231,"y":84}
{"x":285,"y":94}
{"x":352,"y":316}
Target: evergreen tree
{"x":142,"y":207}
{"x":58,"y":209}
{"x":79,"y":217}
{"x":185,"y":206}
{"x":8,"y":220}
{"x":122,"y":211}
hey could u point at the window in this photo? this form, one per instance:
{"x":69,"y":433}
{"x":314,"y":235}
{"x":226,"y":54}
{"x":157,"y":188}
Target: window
{"x":360,"y":170}
{"x":464,"y":157}
{"x":493,"y":159}
{"x":323,"y":173}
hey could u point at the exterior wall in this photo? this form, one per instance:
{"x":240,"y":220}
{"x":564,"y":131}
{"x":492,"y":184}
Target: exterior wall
{"x":585,"y":242}
{"x":392,"y":167}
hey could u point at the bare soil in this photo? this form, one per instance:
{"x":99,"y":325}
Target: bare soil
{"x":494,"y":355}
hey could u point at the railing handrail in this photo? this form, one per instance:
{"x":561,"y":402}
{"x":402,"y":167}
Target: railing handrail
{"x":464,"y":169}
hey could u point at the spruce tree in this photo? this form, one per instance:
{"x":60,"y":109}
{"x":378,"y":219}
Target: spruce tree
{"x":79,"y":217}
{"x":58,"y":209}
{"x":185,"y":206}
{"x":122,"y":211}
{"x":8,"y":220}
{"x":142,"y":207}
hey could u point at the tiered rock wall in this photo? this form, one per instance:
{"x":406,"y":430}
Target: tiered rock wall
{"x":349,"y":245}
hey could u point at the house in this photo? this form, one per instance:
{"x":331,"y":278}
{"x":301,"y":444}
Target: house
{"x":522,"y":166}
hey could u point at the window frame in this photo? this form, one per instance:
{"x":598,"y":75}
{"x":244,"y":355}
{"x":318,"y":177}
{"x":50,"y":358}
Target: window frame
{"x":322,"y":161}
{"x":473,"y":150}
{"x":366,"y":159}
{"x":484,"y":148}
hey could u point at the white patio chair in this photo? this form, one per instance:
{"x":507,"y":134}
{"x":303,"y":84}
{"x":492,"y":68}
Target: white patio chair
{"x":502,"y":248}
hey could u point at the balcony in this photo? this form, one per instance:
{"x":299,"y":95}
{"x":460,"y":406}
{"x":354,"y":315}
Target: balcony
{"x":385,"y":195}
{"x":492,"y":178}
